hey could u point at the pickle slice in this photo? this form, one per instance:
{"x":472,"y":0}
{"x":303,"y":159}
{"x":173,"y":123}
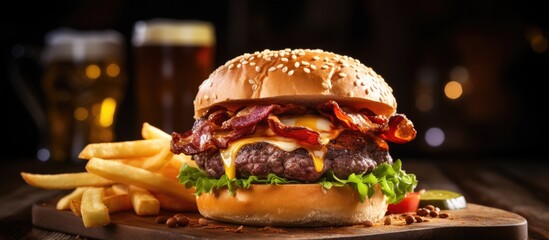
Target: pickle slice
{"x":443,"y":199}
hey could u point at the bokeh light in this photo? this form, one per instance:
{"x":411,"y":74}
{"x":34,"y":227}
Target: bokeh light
{"x":453,"y":90}
{"x":108,"y":106}
{"x":434,"y":137}
{"x":113,"y":70}
{"x":93,"y":71}
{"x":43,"y":154}
{"x":80,"y":114}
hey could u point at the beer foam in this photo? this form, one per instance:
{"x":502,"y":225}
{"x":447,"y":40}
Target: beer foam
{"x":173,"y":32}
{"x":73,"y":45}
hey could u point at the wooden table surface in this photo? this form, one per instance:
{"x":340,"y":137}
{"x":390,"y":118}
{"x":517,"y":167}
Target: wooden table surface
{"x":519,"y":186}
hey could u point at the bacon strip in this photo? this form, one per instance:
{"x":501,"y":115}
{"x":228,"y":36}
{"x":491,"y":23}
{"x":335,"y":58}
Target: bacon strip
{"x":219,"y":127}
{"x":206,"y":135}
{"x":398,"y":128}
{"x":301,"y":134}
{"x":249,"y":116}
{"x":401,"y":129}
{"x":353,"y":120}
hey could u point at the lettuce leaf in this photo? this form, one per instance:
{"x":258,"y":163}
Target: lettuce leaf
{"x":393,"y":181}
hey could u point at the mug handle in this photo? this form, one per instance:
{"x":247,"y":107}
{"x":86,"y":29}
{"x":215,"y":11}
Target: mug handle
{"x":24,"y":63}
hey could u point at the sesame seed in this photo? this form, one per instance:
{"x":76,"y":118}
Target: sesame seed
{"x":231,"y":66}
{"x":245,"y":62}
{"x":252,"y":64}
{"x":254,"y":87}
{"x":307,"y":70}
{"x":316,"y":58}
{"x":326,"y":85}
{"x":252,"y":58}
{"x":285,"y":69}
{"x":301,"y":54}
{"x":257,"y":68}
{"x":305,"y":63}
{"x":345,"y":65}
{"x":342,"y":75}
{"x":294,"y":56}
{"x":326,"y":59}
{"x":251,"y":81}
{"x":238,"y":66}
{"x":284,"y":59}
{"x":291,"y":72}
{"x":280,"y":65}
{"x":272,"y":69}
{"x":313,"y":67}
{"x":296,"y":64}
{"x":206,"y":97}
{"x":325,"y":66}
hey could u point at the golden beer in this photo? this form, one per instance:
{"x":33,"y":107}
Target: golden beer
{"x":84,"y":82}
{"x":171,"y":59}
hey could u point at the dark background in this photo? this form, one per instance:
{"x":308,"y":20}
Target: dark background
{"x":414,"y":45}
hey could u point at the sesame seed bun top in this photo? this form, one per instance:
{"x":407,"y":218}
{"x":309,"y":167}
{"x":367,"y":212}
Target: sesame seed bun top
{"x":300,"y":76}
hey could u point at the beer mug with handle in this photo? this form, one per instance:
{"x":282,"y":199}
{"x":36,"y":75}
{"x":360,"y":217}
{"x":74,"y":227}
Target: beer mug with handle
{"x":82,"y":82}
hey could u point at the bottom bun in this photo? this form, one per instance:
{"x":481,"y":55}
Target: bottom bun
{"x":292,"y":205}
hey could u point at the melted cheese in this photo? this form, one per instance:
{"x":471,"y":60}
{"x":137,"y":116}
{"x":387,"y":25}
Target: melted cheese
{"x":317,"y":153}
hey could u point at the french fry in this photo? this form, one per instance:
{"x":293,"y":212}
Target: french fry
{"x":121,"y":176}
{"x":143,"y":202}
{"x":65,"y":180}
{"x":159,"y":160}
{"x":64,"y":203}
{"x":118,"y":203}
{"x":120,"y":188}
{"x":170,"y":203}
{"x":149,"y":131}
{"x":93,"y":210}
{"x":75,"y":207}
{"x":142,"y":178}
{"x":125,"y":149}
{"x":115,"y":203}
{"x":107,"y":191}
{"x":179,"y":159}
{"x":169,"y":171}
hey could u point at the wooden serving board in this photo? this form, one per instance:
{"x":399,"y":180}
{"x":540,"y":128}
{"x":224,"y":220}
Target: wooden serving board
{"x":474,"y":222}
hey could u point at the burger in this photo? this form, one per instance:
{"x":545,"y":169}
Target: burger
{"x":295,"y":137}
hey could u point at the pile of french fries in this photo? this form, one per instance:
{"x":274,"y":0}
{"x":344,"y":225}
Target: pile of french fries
{"x":121,"y":176}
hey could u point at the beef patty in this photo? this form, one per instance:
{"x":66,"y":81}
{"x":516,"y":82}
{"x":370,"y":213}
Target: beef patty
{"x":351,"y":152}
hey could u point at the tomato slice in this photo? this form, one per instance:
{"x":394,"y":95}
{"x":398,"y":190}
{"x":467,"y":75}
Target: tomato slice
{"x":410,"y":203}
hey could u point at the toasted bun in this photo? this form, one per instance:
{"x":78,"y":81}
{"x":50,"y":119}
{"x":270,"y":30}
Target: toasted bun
{"x":292,"y":205}
{"x":301,"y":76}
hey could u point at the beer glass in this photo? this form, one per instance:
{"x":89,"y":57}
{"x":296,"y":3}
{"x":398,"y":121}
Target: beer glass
{"x":171,"y":59}
{"x":83,"y":80}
